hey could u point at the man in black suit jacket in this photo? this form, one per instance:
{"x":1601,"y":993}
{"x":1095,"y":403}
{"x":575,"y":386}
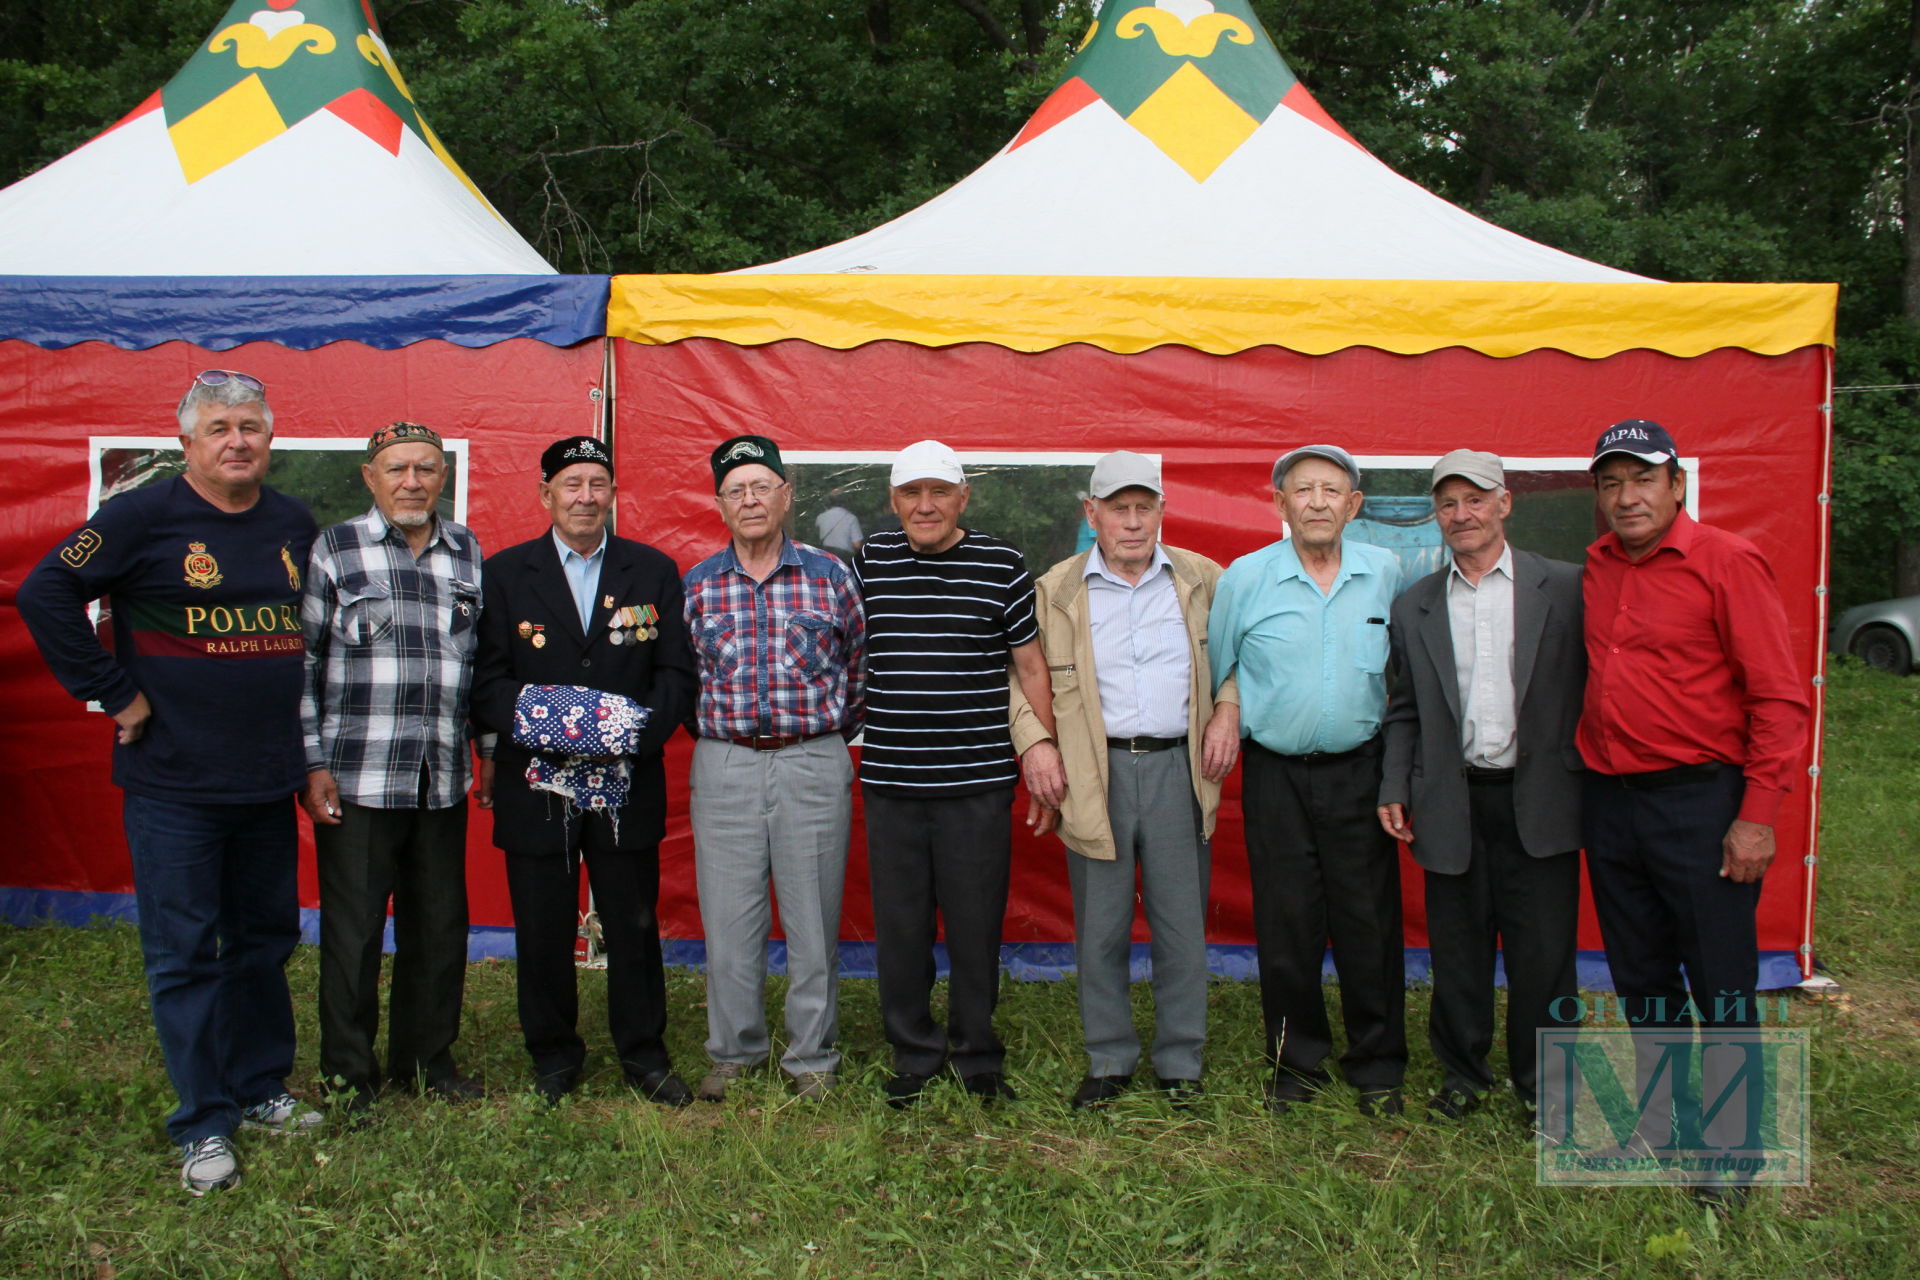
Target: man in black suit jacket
{"x":1487,"y":673}
{"x":576,"y":606}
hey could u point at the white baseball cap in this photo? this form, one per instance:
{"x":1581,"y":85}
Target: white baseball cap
{"x":926,"y":460}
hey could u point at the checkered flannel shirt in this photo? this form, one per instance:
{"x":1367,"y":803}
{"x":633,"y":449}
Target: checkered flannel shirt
{"x":390,"y":643}
{"x":786,"y":656}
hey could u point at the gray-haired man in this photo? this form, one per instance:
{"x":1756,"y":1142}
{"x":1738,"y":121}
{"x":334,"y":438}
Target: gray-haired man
{"x":1145,"y":745}
{"x":203,"y":685}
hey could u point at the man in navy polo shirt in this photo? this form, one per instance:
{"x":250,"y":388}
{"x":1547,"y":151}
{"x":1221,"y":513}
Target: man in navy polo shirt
{"x":203,"y":685}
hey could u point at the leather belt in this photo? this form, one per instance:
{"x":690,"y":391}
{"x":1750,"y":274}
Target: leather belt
{"x":1139,"y":746}
{"x":1679,"y":775}
{"x":1321,"y":757}
{"x":1484,"y":775}
{"x":775,"y":741}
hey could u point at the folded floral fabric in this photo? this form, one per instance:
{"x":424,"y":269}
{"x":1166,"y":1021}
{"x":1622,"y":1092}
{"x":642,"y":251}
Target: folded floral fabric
{"x":579,"y":738}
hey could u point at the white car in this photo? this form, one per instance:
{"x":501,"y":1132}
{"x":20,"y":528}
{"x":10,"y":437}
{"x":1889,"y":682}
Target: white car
{"x":1884,"y":634}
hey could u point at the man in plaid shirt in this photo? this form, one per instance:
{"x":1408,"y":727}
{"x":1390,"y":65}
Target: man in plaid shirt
{"x":780,"y":639}
{"x":391,"y":613}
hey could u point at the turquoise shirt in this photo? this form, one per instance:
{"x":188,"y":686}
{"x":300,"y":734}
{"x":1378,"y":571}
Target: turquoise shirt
{"x":1312,"y":664}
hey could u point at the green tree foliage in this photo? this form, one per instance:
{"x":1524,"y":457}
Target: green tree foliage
{"x":1682,"y":139}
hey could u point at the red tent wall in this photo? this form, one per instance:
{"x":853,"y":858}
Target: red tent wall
{"x":510,"y":400}
{"x":1754,"y":423}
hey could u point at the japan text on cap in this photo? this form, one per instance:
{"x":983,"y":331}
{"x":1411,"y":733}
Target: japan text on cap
{"x":1481,"y":470}
{"x":926,"y":460}
{"x":1637,"y":438}
{"x":402,"y":433}
{"x":1331,"y":452}
{"x":562,"y":454}
{"x":741,"y":451}
{"x":1123,"y":470}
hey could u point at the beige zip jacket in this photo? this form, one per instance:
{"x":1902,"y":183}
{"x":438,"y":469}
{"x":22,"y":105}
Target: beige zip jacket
{"x":1066,"y":637}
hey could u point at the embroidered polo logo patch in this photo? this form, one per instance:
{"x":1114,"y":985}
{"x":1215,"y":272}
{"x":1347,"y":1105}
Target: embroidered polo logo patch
{"x":202,"y":569}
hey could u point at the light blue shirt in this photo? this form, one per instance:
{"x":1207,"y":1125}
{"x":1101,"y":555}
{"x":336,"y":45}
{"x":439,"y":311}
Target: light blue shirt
{"x":583,"y":575}
{"x":1140,"y":650}
{"x":1312,"y":664}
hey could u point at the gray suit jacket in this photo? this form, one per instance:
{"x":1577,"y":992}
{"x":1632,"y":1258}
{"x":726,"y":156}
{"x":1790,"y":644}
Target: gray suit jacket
{"x":1423,"y":767}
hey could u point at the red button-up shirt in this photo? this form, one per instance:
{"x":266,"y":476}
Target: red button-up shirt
{"x":1688,"y":661}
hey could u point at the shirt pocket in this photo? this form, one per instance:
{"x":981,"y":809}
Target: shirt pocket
{"x":463,"y":615}
{"x":718,"y":644}
{"x":1370,"y":647}
{"x":808,"y":647}
{"x":365,"y":615}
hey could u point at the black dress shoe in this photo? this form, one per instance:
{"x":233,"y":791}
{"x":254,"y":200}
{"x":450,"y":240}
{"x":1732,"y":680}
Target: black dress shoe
{"x":990,"y":1087}
{"x":1453,"y":1104}
{"x":1182,"y":1093}
{"x":1285,"y":1089}
{"x":556,"y":1085}
{"x":1723,"y":1198}
{"x":1382,"y":1102}
{"x":904,"y":1089}
{"x":1098,"y":1091}
{"x":661,"y":1086}
{"x":455,"y":1088}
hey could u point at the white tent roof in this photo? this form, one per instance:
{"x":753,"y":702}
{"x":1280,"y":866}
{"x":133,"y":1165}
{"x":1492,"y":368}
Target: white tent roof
{"x":1180,"y":144}
{"x":287,"y":145}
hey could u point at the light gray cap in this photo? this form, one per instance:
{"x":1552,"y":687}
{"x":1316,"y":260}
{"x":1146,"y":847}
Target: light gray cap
{"x":1482,"y":470}
{"x":1331,"y":452}
{"x":1123,"y":470}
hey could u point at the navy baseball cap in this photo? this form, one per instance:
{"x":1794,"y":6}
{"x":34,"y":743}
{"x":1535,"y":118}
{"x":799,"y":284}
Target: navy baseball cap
{"x":1637,"y":438}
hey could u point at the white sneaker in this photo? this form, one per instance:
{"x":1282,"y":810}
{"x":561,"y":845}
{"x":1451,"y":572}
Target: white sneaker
{"x":284,"y":1114}
{"x":208,"y":1165}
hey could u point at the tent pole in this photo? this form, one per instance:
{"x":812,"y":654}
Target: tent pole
{"x":1822,"y":604}
{"x":602,"y":398}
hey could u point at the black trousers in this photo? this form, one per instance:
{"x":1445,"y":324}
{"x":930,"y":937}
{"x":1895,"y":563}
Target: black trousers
{"x":1653,"y":858}
{"x":1525,"y":907}
{"x":1323,"y":870}
{"x":950,"y":857}
{"x":418,"y":858}
{"x":545,"y":891}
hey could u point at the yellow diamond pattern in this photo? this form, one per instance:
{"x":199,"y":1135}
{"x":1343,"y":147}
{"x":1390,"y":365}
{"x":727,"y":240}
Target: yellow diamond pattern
{"x":1193,"y":122}
{"x":219,"y":133}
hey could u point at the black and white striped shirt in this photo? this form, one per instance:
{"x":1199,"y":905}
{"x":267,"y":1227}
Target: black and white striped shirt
{"x":940,"y":631}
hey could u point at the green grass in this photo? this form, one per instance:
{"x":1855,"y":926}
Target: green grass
{"x":764,"y":1186}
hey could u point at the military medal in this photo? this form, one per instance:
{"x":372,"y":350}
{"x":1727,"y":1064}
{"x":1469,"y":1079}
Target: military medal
{"x":539,"y":633}
{"x":526,"y":630}
{"x":539,"y":641}
{"x":616,"y":636}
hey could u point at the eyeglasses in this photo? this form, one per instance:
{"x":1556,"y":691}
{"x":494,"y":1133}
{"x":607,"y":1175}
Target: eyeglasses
{"x":760,"y":489}
{"x":215,"y":377}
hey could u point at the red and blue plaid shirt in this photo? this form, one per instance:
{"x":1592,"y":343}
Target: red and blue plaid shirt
{"x":786,"y":656}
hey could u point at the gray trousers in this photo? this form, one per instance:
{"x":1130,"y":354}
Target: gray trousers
{"x":1156,"y":832}
{"x":779,"y":821}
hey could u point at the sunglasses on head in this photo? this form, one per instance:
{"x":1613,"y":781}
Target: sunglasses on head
{"x":214,"y":377}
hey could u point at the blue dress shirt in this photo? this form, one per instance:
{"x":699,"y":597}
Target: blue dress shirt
{"x":1312,"y":664}
{"x":1140,"y":652}
{"x":583,"y":575}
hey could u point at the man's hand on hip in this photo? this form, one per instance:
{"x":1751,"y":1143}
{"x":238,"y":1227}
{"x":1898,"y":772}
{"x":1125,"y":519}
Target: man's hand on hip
{"x":1746,"y":852}
{"x":321,"y":799}
{"x":1046,"y":775}
{"x":132,"y":719}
